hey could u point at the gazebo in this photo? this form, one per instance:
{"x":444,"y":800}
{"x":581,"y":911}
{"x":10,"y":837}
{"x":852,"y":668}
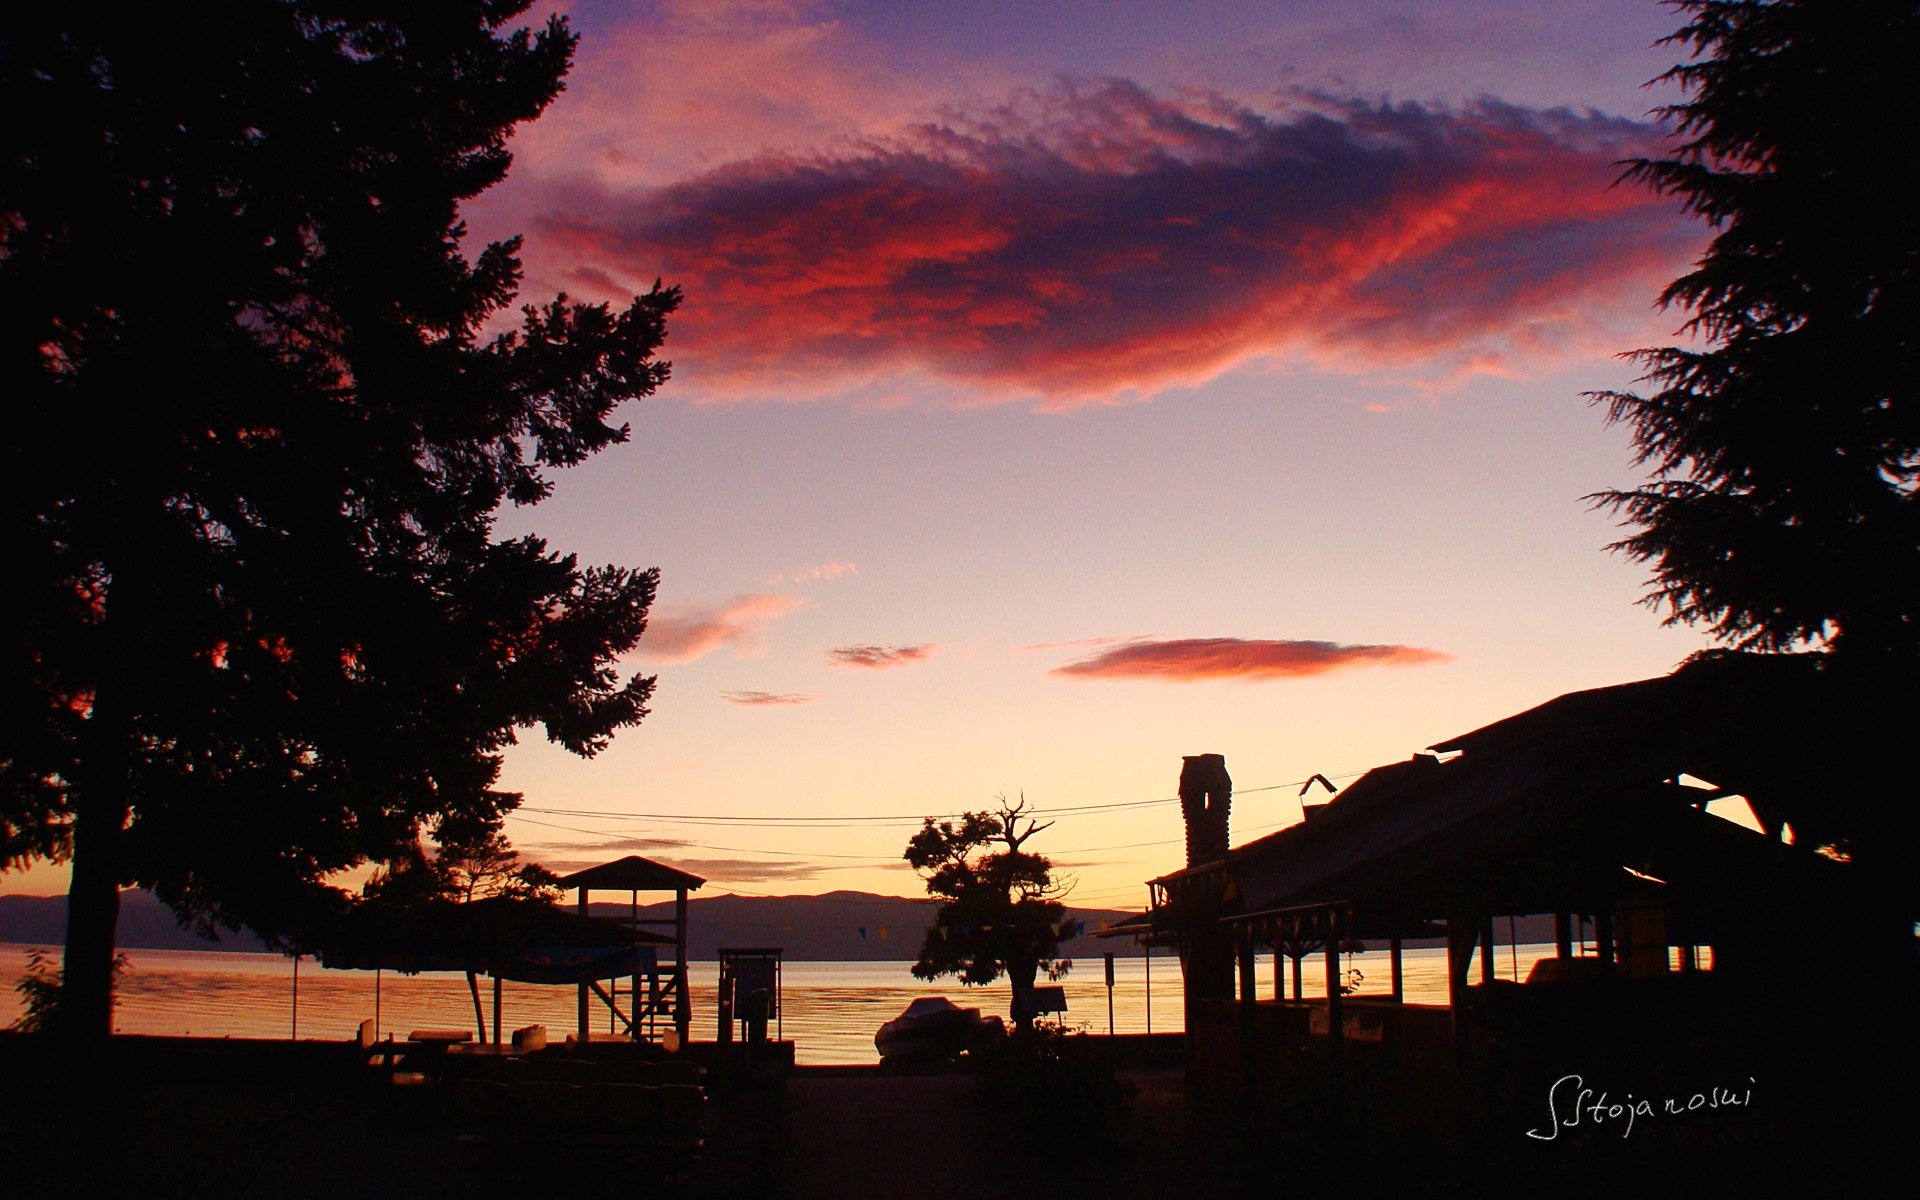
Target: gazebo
{"x":666,"y":992}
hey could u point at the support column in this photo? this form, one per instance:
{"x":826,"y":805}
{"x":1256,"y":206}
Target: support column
{"x":1249,"y":1028}
{"x":1146,"y":961}
{"x":1399,"y":981}
{"x":1460,"y":936}
{"x":1486,"y":951}
{"x":1603,"y":935}
{"x":582,"y":1004}
{"x":632,"y":987}
{"x":1563,"y":934}
{"x":682,"y":1004}
{"x":1336,"y":1012}
{"x":479,"y":1017}
{"x":496,"y":1010}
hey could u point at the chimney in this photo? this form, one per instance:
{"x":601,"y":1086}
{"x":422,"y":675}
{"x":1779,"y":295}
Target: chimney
{"x":1206,"y":793}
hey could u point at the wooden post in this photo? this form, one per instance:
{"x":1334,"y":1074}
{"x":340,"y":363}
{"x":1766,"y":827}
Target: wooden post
{"x":1399,"y":981}
{"x":582,"y":1003}
{"x":1296,"y":973}
{"x":682,"y":1006}
{"x":496,"y":1010}
{"x":479,"y":1017}
{"x":1603,"y":934}
{"x":1109,"y":994}
{"x":1336,"y":1014}
{"x":295,"y":1035}
{"x":1279,"y":971}
{"x":1460,"y":935}
{"x":1486,"y":951}
{"x":632,"y":999}
{"x":1146,"y":952}
{"x":1249,"y":1052}
{"x":1563,"y":934}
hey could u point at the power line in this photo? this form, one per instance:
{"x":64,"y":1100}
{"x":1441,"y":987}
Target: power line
{"x":855,"y":822}
{"x":871,"y":858}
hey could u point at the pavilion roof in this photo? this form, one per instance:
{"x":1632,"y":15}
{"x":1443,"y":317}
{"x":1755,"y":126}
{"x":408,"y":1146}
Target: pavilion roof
{"x":633,"y":874}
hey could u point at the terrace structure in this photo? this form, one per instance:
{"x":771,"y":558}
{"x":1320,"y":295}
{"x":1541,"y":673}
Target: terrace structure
{"x":1677,"y":931}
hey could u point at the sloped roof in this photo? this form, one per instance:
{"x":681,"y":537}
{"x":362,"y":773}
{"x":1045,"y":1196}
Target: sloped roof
{"x":633,"y":873}
{"x":1553,"y":803}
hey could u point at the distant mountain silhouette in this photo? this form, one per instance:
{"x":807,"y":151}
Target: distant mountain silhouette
{"x":808,"y":928}
{"x":145,"y":924}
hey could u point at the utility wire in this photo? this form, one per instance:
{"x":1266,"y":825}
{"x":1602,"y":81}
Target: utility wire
{"x":851,"y":822}
{"x":870,"y":858}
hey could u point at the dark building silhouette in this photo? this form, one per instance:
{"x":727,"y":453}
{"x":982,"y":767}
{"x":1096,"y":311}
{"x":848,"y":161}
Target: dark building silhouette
{"x":1682,"y":939}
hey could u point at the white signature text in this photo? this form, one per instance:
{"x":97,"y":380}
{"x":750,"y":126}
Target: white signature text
{"x":1570,"y":1104}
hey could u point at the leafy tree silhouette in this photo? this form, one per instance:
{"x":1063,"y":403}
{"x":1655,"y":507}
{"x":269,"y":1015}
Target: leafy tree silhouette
{"x":1785,"y":439}
{"x":259,"y":629}
{"x":1002,"y":911}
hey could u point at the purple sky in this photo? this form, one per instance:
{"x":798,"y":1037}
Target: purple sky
{"x":1065,"y":388}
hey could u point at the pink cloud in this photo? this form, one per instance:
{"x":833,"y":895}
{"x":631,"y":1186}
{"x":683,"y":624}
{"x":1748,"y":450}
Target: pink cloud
{"x":1189,"y":660}
{"x":740,"y":623}
{"x":766,"y":699}
{"x":1104,"y":239}
{"x":879,"y":657}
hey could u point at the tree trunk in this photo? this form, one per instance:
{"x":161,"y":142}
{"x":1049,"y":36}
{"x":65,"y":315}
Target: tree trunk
{"x":93,"y":895}
{"x":1022,"y":975}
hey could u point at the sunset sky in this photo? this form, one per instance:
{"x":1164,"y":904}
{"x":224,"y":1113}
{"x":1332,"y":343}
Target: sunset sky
{"x":1065,"y":388}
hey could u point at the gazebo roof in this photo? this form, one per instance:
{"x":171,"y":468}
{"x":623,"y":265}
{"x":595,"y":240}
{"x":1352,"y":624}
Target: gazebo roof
{"x":633,"y":874}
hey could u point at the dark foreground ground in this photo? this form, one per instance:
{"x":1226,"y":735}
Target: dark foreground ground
{"x":164,"y":1119}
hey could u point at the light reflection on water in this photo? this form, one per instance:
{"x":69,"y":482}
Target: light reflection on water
{"x":831,"y":1008}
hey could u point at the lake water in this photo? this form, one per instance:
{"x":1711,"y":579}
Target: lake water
{"x":831,"y":1008}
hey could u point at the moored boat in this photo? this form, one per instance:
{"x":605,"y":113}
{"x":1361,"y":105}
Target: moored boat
{"x":933,"y":1027}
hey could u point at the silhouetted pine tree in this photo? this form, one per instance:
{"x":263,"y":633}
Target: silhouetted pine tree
{"x":257,"y":627}
{"x":1001,"y":910}
{"x":1785,"y":439}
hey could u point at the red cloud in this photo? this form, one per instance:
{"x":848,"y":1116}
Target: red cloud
{"x":1122,"y":240}
{"x":738,"y":623}
{"x":1187,"y":660}
{"x":878,"y":657}
{"x":766,"y":699}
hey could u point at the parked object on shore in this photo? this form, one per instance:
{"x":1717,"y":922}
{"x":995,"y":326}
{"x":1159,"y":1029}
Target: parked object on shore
{"x":933,"y":1027}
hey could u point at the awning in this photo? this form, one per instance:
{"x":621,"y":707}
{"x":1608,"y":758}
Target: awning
{"x":526,"y":940}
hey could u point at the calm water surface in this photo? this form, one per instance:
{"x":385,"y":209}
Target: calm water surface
{"x":831,"y":1008}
